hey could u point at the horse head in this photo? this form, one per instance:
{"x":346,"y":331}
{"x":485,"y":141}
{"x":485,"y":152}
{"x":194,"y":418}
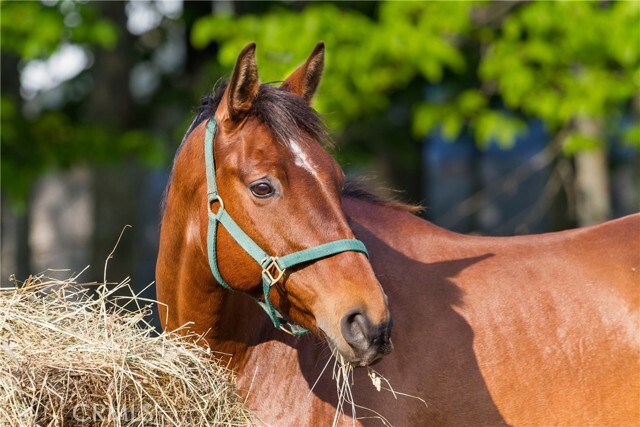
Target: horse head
{"x":282,"y":189}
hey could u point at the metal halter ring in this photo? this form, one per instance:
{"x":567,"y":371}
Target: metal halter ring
{"x":272,"y":271}
{"x":215,"y":198}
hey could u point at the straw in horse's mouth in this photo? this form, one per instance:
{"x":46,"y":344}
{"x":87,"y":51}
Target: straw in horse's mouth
{"x":354,"y":362}
{"x":343,"y":376}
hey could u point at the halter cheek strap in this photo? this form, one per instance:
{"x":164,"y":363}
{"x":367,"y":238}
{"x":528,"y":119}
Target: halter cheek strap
{"x":273,"y":267}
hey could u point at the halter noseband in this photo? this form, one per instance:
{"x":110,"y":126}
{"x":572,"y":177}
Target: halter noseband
{"x":273,"y":267}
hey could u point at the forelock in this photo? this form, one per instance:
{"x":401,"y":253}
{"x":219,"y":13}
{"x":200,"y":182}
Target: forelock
{"x":287,"y":116}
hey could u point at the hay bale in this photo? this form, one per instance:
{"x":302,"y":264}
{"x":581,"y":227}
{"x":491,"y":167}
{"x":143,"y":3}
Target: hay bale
{"x":70,"y":357}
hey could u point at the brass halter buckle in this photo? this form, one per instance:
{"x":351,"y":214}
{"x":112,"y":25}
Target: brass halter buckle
{"x":272,"y":271}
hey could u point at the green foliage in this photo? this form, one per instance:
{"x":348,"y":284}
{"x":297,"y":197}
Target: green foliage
{"x":576,"y":142}
{"x":496,"y":126}
{"x":562,"y":60}
{"x":54,"y":141}
{"x":631,"y":136}
{"x":32,"y":30}
{"x":554,"y":61}
{"x":367,"y":59}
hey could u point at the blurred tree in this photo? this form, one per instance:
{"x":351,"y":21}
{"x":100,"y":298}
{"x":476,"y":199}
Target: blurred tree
{"x":61,"y":110}
{"x":30,"y":147}
{"x":58,"y":133}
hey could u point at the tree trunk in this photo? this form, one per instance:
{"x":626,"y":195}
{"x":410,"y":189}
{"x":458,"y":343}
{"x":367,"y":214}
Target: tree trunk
{"x":15,"y":252}
{"x":15,"y":241}
{"x":593,"y":201}
{"x":116,"y":188}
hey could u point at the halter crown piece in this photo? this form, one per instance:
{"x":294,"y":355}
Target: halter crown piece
{"x":273,"y":267}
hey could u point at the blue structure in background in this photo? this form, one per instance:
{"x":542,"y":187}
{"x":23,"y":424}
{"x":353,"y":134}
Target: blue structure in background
{"x":507,"y":191}
{"x":489,"y":191}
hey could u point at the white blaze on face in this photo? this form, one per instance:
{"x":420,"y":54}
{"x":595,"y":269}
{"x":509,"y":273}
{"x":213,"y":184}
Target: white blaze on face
{"x":301,"y":159}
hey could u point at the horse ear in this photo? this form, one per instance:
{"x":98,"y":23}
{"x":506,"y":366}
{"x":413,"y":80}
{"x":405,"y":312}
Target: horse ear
{"x":243,"y":87}
{"x":304,"y":81}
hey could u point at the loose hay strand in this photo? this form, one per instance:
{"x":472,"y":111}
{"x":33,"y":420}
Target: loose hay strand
{"x":70,"y":358}
{"x":343,"y":377}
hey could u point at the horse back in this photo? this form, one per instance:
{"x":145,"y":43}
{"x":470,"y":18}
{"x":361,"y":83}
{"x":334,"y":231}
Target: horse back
{"x":532,"y":330}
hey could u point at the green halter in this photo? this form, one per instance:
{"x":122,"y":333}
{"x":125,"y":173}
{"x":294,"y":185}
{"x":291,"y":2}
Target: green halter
{"x":273,"y":267}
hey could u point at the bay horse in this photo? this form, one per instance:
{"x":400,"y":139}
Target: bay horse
{"x":530,"y":330}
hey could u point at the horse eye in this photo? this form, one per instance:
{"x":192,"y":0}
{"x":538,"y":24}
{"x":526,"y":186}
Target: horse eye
{"x":262,"y":189}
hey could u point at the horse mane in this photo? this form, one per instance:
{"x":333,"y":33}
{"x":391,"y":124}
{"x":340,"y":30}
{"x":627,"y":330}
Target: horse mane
{"x":356,"y":188}
{"x":284,"y":113}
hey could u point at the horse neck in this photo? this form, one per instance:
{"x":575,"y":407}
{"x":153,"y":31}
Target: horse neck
{"x":399,"y":230}
{"x":228,"y":321}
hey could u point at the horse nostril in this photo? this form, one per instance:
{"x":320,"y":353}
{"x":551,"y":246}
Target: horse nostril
{"x":364,"y":336}
{"x":354,"y":327}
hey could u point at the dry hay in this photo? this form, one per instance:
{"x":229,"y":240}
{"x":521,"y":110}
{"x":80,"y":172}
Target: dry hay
{"x":69,"y":357}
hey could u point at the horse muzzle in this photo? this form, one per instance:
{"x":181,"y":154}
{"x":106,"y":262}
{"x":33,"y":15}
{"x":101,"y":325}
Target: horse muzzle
{"x":368,"y":341}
